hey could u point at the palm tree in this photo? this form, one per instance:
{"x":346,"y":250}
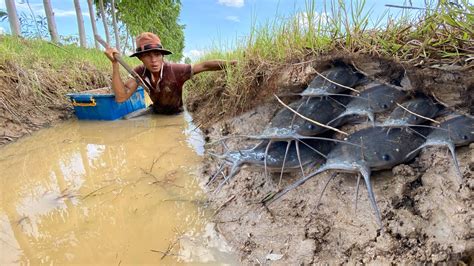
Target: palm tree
{"x":80,"y":24}
{"x":13,"y":17}
{"x":114,"y":22}
{"x":104,"y":20}
{"x":94,"y":26}
{"x":51,"y":22}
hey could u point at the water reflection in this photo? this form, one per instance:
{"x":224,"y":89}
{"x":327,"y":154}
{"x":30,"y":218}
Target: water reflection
{"x":106,"y":192}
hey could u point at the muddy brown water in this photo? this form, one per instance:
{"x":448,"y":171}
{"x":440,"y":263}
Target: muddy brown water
{"x":116,"y":192}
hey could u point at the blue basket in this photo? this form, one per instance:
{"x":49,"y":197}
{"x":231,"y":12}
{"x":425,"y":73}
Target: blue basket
{"x":90,"y":106}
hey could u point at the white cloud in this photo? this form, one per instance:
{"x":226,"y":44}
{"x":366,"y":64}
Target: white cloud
{"x":38,"y":9}
{"x":23,"y":7}
{"x":194,"y":54}
{"x":233,"y":18}
{"x":68,"y":13}
{"x":2,"y":31}
{"x":231,"y":3}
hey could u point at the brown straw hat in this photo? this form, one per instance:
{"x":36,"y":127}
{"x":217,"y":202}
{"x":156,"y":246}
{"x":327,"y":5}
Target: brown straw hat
{"x":147,"y":42}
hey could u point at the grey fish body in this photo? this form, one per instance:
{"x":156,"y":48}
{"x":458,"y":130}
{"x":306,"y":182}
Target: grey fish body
{"x":422,"y":106}
{"x":376,"y":99}
{"x":286,"y":125}
{"x":294,"y":131}
{"x":280,"y":156}
{"x":255,"y":157}
{"x":380,"y":148}
{"x":343,"y":75}
{"x":458,"y":131}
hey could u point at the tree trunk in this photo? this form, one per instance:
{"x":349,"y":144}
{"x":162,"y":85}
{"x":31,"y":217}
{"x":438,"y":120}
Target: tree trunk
{"x":114,"y":22}
{"x":80,"y":24}
{"x":13,"y":18}
{"x":125,"y":45}
{"x":53,"y":32}
{"x":94,"y":26}
{"x":104,"y":21}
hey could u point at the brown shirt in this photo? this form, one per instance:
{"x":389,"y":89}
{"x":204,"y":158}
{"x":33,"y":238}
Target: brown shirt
{"x":167,"y":95}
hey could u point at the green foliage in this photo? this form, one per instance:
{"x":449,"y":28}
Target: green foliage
{"x":159,"y":17}
{"x":33,"y":26}
{"x":3,"y":15}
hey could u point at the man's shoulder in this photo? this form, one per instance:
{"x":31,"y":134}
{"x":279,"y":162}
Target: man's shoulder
{"x":181,"y":72}
{"x":178,"y":67}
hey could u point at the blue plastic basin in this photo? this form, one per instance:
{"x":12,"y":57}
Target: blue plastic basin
{"x":90,"y":106}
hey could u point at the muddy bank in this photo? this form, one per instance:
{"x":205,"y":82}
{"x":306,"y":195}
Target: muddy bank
{"x":35,"y":98}
{"x":426,"y":212}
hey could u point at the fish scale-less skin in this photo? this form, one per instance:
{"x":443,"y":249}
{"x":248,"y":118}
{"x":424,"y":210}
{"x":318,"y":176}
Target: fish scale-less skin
{"x":283,"y":156}
{"x":376,"y":99}
{"x":422,"y":106}
{"x":255,"y":157}
{"x":320,"y":109}
{"x":459,"y":131}
{"x":343,"y":75}
{"x":381,"y":148}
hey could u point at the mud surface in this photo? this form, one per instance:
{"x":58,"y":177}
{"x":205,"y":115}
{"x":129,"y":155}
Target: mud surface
{"x":426,"y":212}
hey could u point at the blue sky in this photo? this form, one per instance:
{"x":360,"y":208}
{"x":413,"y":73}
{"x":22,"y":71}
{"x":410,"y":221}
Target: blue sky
{"x":209,"y":23}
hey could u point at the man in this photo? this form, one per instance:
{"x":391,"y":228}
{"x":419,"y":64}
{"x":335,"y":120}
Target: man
{"x":165,"y":79}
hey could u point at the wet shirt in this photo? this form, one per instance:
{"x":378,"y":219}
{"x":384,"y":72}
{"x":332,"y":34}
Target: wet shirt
{"x":167,"y":95}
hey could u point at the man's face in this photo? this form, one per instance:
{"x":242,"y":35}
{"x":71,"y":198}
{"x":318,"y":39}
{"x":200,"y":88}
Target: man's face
{"x":152,"y":60}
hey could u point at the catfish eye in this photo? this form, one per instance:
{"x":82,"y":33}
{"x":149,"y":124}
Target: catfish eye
{"x":464,"y":137}
{"x":384,"y":106}
{"x":311,"y":126}
{"x":386,"y":157}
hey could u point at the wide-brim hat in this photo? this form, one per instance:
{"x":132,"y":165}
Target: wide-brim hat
{"x":147,"y":42}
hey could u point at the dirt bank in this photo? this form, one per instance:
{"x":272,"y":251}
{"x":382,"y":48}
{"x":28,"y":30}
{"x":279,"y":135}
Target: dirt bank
{"x":35,"y":98}
{"x":427,"y":214}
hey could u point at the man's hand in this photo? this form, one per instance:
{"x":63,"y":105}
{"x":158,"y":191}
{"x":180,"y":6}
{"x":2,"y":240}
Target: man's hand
{"x":110,"y":53}
{"x":232,"y":62}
